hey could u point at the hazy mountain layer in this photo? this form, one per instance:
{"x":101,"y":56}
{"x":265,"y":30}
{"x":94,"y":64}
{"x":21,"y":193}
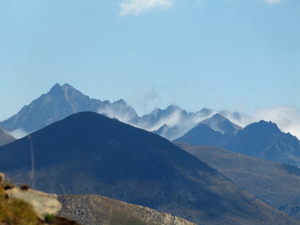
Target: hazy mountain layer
{"x":261,"y":140}
{"x":87,"y":153}
{"x":275,"y":183}
{"x":57,"y":104}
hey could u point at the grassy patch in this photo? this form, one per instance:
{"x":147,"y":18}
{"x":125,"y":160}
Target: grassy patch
{"x":16,"y":211}
{"x":49,"y":218}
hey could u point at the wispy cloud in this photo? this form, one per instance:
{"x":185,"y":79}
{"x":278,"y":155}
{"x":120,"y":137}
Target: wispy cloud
{"x":139,"y":6}
{"x":286,"y":117}
{"x":18,"y":133}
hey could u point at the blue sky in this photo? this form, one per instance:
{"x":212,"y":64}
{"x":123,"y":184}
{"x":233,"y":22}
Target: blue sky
{"x":239,"y":55}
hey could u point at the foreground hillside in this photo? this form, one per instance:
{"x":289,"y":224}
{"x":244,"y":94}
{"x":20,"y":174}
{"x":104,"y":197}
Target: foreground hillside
{"x":275,"y":183}
{"x":87,"y":153}
{"x":20,"y":206}
{"x":95,"y":209}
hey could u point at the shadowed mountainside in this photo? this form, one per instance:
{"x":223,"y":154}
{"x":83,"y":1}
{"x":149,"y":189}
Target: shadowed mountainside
{"x":275,"y":183}
{"x":261,"y":140}
{"x":87,"y":153}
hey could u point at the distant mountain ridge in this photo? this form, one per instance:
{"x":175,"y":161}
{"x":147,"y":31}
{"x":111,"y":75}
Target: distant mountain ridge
{"x":219,"y":123}
{"x":65,"y":100}
{"x":261,"y":140}
{"x":57,"y":104}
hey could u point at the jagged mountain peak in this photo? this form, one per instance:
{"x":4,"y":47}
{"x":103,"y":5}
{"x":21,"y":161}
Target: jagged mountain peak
{"x":173,"y":107}
{"x":206,"y":111}
{"x":121,"y":102}
{"x":220,"y":123}
{"x":218,"y":116}
{"x":262,"y":126}
{"x":56,"y":90}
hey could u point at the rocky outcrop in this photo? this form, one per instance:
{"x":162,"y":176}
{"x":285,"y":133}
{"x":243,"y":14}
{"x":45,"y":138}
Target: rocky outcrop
{"x":95,"y":209}
{"x":42,"y":203}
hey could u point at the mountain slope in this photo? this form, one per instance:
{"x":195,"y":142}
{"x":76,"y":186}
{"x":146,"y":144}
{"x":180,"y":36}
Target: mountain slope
{"x":87,"y":153}
{"x":264,"y":140}
{"x":5,"y":137}
{"x":204,"y":135}
{"x":275,"y":183}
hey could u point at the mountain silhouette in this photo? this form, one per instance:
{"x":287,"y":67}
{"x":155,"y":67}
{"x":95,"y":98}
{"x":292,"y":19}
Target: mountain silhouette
{"x":265,"y":140}
{"x":261,"y":140}
{"x":65,"y":100}
{"x":88,"y":153}
{"x":219,"y":123}
{"x":57,"y":104}
{"x":167,"y":132}
{"x":202,"y":134}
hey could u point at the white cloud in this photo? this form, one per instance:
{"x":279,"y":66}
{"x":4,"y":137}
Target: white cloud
{"x":139,"y":6}
{"x":286,"y":117}
{"x":18,"y":133}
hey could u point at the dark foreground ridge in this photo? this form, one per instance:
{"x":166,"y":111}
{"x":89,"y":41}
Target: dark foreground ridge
{"x":87,"y":153}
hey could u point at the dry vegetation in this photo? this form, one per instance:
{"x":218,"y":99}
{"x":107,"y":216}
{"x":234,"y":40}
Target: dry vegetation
{"x":14,"y":211}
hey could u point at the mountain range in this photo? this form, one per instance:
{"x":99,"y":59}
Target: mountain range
{"x":260,"y":140}
{"x":88,"y":153}
{"x":205,"y":127}
{"x":65,"y":100}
